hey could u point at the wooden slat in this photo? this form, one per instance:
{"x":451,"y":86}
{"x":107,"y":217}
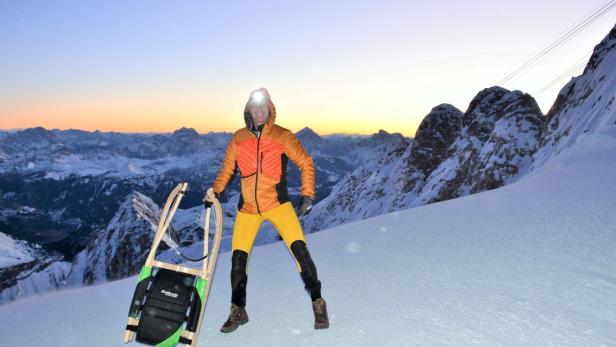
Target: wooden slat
{"x":178,"y":268}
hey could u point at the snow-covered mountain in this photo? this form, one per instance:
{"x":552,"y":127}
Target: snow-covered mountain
{"x":13,"y":252}
{"x":310,"y":139}
{"x":38,"y":153}
{"x":336,"y":156}
{"x":500,"y":137}
{"x":120,"y":249}
{"x":587,"y":104}
{"x":528,"y":264}
{"x":452,"y":155}
{"x":27,"y":269}
{"x":354,"y":195}
{"x":77,"y":179}
{"x":500,"y":132}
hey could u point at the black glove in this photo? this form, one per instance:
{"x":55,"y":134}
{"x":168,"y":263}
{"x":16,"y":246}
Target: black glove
{"x":207,"y":202}
{"x":305,"y":205}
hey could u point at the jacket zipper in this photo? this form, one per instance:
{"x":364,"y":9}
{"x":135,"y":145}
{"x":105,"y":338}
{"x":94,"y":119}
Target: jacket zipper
{"x":257,"y":173}
{"x":261,"y":162}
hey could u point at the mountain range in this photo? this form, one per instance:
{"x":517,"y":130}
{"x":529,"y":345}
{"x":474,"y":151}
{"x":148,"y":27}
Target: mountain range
{"x":89,"y":200}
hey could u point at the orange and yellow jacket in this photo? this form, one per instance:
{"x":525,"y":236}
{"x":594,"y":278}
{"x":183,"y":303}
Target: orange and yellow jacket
{"x":262,"y":162}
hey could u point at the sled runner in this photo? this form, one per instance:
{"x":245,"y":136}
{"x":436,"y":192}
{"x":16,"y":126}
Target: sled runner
{"x":169,"y":301}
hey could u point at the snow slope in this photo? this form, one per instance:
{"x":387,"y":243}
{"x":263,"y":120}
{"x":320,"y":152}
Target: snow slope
{"x":528,"y":264}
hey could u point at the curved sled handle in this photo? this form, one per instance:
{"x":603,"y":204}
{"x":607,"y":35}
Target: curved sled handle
{"x":191,"y":333}
{"x":206,"y":225}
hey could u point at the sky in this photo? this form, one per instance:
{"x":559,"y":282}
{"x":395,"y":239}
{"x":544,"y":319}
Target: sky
{"x":336,"y":67}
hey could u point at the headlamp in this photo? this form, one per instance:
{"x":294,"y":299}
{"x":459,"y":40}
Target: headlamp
{"x":257,"y":97}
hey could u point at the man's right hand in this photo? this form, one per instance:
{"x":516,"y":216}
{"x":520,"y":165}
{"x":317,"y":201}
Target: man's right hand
{"x":207,"y":202}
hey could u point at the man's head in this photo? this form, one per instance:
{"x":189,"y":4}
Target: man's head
{"x":258,"y":106}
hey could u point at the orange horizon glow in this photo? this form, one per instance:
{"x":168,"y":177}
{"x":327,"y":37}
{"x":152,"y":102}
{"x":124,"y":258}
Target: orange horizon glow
{"x":146,"y":117}
{"x":160,"y":127}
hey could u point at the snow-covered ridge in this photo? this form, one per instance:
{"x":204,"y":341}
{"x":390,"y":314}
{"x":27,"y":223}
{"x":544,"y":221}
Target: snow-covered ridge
{"x":453,"y":154}
{"x":499,"y":138}
{"x":13,"y":252}
{"x":27,"y":269}
{"x":585,"y":105}
{"x":120,"y":249}
{"x":61,"y":153}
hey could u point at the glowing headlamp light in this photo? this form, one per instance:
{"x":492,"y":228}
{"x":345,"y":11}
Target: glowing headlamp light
{"x":257,"y":97}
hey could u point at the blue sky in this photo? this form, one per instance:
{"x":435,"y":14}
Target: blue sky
{"x":343,"y":66}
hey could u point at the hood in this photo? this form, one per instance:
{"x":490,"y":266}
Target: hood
{"x":272,"y":116}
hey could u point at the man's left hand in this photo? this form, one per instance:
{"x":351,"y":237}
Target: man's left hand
{"x":305,"y":205}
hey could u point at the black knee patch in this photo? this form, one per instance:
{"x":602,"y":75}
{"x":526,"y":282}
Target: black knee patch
{"x":239,"y":279}
{"x":308,"y":269}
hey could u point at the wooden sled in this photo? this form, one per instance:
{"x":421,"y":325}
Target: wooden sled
{"x":169,"y":301}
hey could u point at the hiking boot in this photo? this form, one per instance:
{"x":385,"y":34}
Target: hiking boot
{"x":320,"y":314}
{"x":237,"y":317}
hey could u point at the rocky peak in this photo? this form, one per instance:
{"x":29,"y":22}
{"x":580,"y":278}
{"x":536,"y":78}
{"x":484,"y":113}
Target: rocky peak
{"x":186,"y":133}
{"x":435,"y":134}
{"x":605,"y":47}
{"x":384,"y":136}
{"x":483,"y":103}
{"x":137,"y":206}
{"x":120,"y":249}
{"x":37,"y":132}
{"x":183,"y":141}
{"x":309,"y":138}
{"x":307,"y":132}
{"x":37,"y":136}
{"x":491,"y":104}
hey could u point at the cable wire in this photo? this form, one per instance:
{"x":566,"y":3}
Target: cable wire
{"x":570,"y":71}
{"x":560,"y":41}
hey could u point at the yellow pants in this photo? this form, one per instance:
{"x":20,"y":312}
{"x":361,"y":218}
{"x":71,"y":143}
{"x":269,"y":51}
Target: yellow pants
{"x":283,"y":218}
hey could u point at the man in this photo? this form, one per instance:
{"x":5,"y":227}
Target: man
{"x":261,"y":151}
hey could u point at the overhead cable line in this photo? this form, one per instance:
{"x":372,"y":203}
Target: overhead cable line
{"x":560,"y":41}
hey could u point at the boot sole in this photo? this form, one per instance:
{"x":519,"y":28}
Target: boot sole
{"x":233,"y":328}
{"x":322,"y":326}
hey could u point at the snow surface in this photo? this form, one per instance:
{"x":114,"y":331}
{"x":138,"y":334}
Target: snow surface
{"x":528,"y":264}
